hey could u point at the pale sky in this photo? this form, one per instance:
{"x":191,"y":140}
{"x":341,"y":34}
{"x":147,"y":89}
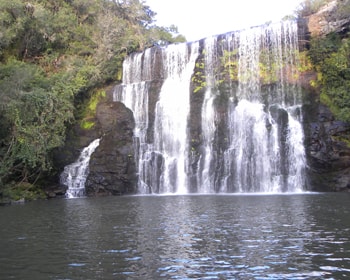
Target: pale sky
{"x":197,"y":19}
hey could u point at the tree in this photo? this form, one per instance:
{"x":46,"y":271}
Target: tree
{"x":53,"y":54}
{"x":36,"y":115}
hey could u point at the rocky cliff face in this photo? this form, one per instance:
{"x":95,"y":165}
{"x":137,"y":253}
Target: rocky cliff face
{"x":112,"y":165}
{"x":327,"y":142}
{"x":328,"y":20}
{"x":328,"y":150}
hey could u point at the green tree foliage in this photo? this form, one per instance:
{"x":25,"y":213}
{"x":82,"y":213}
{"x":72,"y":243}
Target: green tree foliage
{"x":35,"y":110}
{"x":53,"y":53}
{"x":166,"y":35}
{"x":331,"y":57}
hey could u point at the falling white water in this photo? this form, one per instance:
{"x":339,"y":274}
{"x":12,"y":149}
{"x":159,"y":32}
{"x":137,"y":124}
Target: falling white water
{"x":255,"y":149}
{"x":135,"y":97}
{"x":266,"y":156}
{"x":137,"y":75}
{"x":256,"y":160}
{"x":296,"y":153}
{"x":248,"y":70}
{"x":206,"y":180}
{"x":161,"y":164}
{"x":263,"y":149}
{"x":171,"y":116}
{"x":139,"y":67}
{"x":74,"y":175}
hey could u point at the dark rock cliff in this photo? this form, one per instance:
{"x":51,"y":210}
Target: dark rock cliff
{"x":112,"y":165}
{"x":328,"y":151}
{"x":327,"y":142}
{"x":327,"y":145}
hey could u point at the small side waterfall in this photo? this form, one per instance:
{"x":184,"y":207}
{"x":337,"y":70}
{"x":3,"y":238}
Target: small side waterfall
{"x":219,"y":115}
{"x":74,"y":175}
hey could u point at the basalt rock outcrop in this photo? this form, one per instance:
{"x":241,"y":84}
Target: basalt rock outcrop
{"x":327,"y":148}
{"x":327,"y":142}
{"x":112,"y":165}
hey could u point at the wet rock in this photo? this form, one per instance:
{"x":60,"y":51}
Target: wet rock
{"x":56,"y":191}
{"x":112,"y":165}
{"x":327,"y":146}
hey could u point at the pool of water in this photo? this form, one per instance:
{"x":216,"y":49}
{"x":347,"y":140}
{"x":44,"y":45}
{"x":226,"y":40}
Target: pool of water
{"x":304,"y":236}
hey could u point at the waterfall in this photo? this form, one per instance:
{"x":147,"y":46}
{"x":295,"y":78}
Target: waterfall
{"x":219,"y":115}
{"x":161,"y":164}
{"x":74,"y":175}
{"x":206,"y":180}
{"x":171,"y":115}
{"x":137,"y":75}
{"x":266,"y":152}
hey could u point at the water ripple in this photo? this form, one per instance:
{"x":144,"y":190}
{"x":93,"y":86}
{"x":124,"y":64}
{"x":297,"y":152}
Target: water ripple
{"x":188,"y":237}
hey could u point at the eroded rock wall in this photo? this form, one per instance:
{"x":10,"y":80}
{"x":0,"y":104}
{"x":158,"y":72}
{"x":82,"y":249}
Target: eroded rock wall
{"x":328,"y":20}
{"x":327,"y":142}
{"x":112,"y":165}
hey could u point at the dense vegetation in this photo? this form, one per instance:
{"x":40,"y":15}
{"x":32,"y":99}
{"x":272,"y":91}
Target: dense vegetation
{"x":330,"y":57}
{"x":53,"y":55}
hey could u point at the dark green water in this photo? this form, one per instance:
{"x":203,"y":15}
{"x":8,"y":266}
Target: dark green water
{"x":304,"y":236}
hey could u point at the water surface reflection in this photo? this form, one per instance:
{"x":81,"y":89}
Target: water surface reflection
{"x":178,"y":237}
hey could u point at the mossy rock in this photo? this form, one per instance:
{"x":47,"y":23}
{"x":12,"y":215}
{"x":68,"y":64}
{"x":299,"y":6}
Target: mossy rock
{"x":89,"y":111}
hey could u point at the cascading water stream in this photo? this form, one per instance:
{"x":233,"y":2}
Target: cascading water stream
{"x":171,"y":116}
{"x":137,"y":74}
{"x":135,"y":96}
{"x":161,"y":164}
{"x":265,"y":136}
{"x":249,"y":132}
{"x":206,"y":180}
{"x":74,"y":175}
